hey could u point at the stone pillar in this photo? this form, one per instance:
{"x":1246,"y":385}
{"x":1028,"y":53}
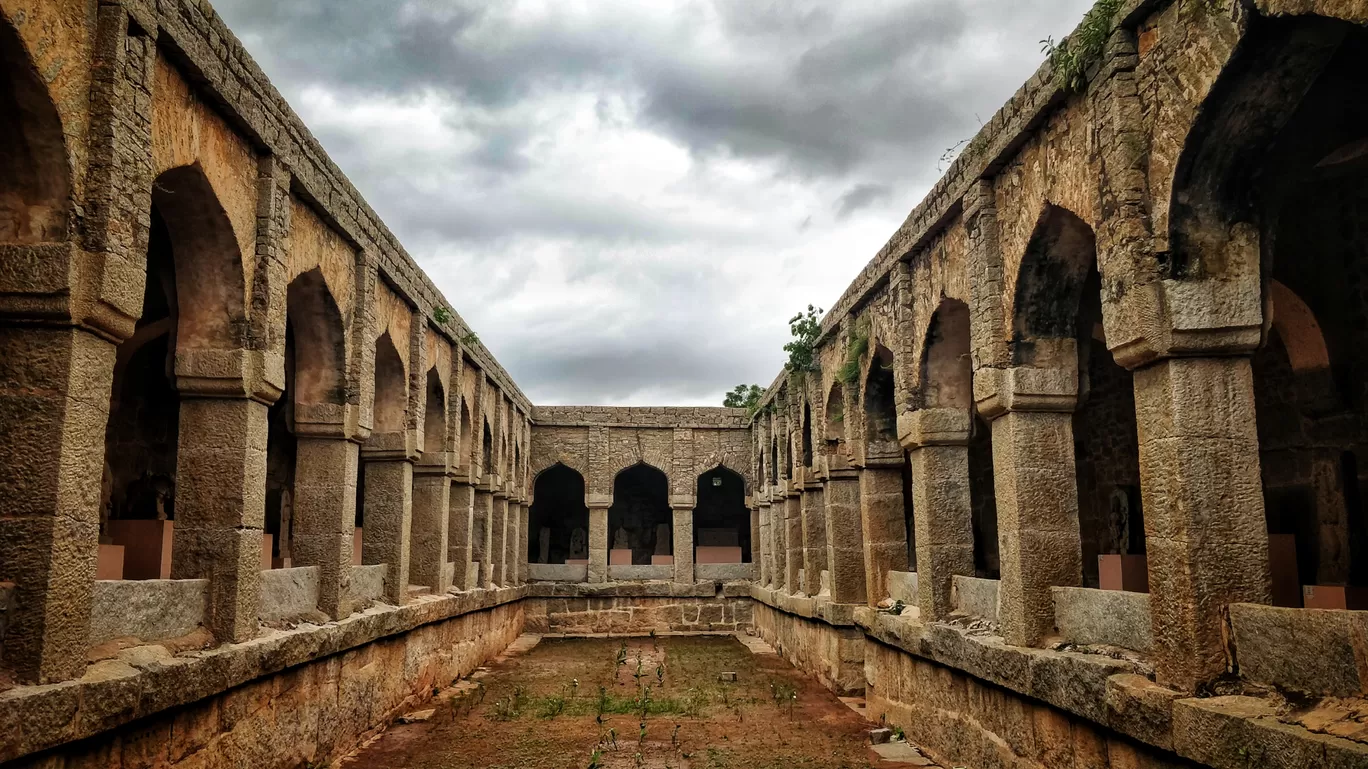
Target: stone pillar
{"x":778,"y":543}
{"x":431,"y":522}
{"x":814,"y":537}
{"x":845,"y":541}
{"x":1037,"y":494}
{"x":524,"y":521}
{"x":755,"y":538}
{"x":325,"y":514}
{"x":484,"y":534}
{"x":498,"y":542}
{"x":460,"y":533}
{"x":388,"y":520}
{"x":937,"y":441}
{"x":1205,"y":535}
{"x":883,"y":523}
{"x":762,"y":545}
{"x":221,"y":507}
{"x":683,"y":537}
{"x":50,"y":529}
{"x":598,"y":539}
{"x":512,"y":538}
{"x":793,"y":539}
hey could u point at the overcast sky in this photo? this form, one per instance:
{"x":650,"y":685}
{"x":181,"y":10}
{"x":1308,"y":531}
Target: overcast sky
{"x":628,"y":200}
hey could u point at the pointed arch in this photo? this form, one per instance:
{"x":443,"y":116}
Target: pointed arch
{"x":641,"y":507}
{"x":558,"y":520}
{"x":35,"y":176}
{"x":391,"y":387}
{"x":320,"y":336}
{"x":208,"y":261}
{"x":880,"y":405}
{"x":721,"y":520}
{"x":835,"y":414}
{"x":946,"y":371}
{"x":435,"y":415}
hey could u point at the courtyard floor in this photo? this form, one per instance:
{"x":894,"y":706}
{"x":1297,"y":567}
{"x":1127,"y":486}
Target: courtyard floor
{"x":647,"y":703}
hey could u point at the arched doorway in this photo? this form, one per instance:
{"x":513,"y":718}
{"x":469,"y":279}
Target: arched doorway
{"x":558,"y":521}
{"x":640,"y":521}
{"x":721,"y":522}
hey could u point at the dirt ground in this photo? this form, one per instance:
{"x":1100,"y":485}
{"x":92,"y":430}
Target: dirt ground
{"x":580,"y":703}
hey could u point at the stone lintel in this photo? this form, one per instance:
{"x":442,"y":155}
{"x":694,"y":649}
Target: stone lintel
{"x":1185,"y":318}
{"x":598,"y":501}
{"x":934,"y":427}
{"x":998,"y":391}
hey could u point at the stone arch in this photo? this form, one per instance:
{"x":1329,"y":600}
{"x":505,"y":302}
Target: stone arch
{"x":467,"y":426}
{"x":391,"y":387}
{"x":486,"y":450}
{"x":835,"y":414}
{"x":434,"y":415}
{"x":946,"y":371}
{"x":1296,"y":324}
{"x":1050,"y":283}
{"x":720,"y":517}
{"x":641,"y":506}
{"x":1216,"y":209}
{"x":880,"y":404}
{"x":35,"y":176}
{"x":807,"y":452}
{"x":320,"y":341}
{"x":558,"y":508}
{"x":208,"y":261}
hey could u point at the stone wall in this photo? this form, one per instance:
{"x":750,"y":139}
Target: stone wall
{"x":834,"y":655}
{"x":300,"y":715}
{"x":638,"y":608}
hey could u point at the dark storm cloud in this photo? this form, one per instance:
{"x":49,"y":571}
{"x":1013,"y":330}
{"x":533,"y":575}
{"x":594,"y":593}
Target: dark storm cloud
{"x":645,"y":190}
{"x":861,"y":196}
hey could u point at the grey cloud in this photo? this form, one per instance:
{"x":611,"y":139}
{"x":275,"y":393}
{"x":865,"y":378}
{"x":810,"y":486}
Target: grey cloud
{"x":861,"y":196}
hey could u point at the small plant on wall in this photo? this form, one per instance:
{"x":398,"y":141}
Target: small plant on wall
{"x":858,"y":345}
{"x":1075,"y":54}
{"x":806,"y":328}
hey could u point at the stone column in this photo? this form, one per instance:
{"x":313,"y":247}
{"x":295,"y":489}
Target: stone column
{"x":1037,"y":493}
{"x":683,"y":536}
{"x":51,"y":381}
{"x":937,"y":441}
{"x":778,"y":543}
{"x":793,"y":538}
{"x":598,"y":539}
{"x":484,"y":533}
{"x":814,"y":537}
{"x":1205,"y":535}
{"x":845,"y":543}
{"x":388,"y":519}
{"x":762,"y":545}
{"x":498,"y":541}
{"x":512,"y":538}
{"x":883,"y":522}
{"x":755,"y":538}
{"x":431,"y":522}
{"x":524,"y":521}
{"x":325,"y":512}
{"x":460,"y":533}
{"x":221,"y":506}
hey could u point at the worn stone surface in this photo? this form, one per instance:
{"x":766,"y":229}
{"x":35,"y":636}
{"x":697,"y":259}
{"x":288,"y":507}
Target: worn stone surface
{"x":289,"y":595}
{"x":148,"y":610}
{"x":1321,"y":652}
{"x":1112,"y":617}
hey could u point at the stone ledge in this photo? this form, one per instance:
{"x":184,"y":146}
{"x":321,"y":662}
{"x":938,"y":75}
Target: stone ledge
{"x":821,"y":608}
{"x":1240,"y":732}
{"x":649,"y":589}
{"x":148,"y":680}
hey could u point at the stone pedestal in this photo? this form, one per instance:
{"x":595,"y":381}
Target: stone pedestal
{"x":431,"y":519}
{"x":221,"y":506}
{"x":883,"y":523}
{"x":325,"y":514}
{"x":845,"y":539}
{"x":389,"y":522}
{"x":459,"y":531}
{"x":1205,"y":535}
{"x":814,"y":538}
{"x":598,"y":543}
{"x":147,"y":547}
{"x":937,"y":441}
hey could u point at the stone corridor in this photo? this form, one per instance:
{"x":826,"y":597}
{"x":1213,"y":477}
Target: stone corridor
{"x":1076,"y":480}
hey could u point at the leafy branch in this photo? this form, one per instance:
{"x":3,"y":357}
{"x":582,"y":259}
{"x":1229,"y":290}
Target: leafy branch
{"x":744,"y":397}
{"x":1073,"y":55}
{"x":806,"y":328}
